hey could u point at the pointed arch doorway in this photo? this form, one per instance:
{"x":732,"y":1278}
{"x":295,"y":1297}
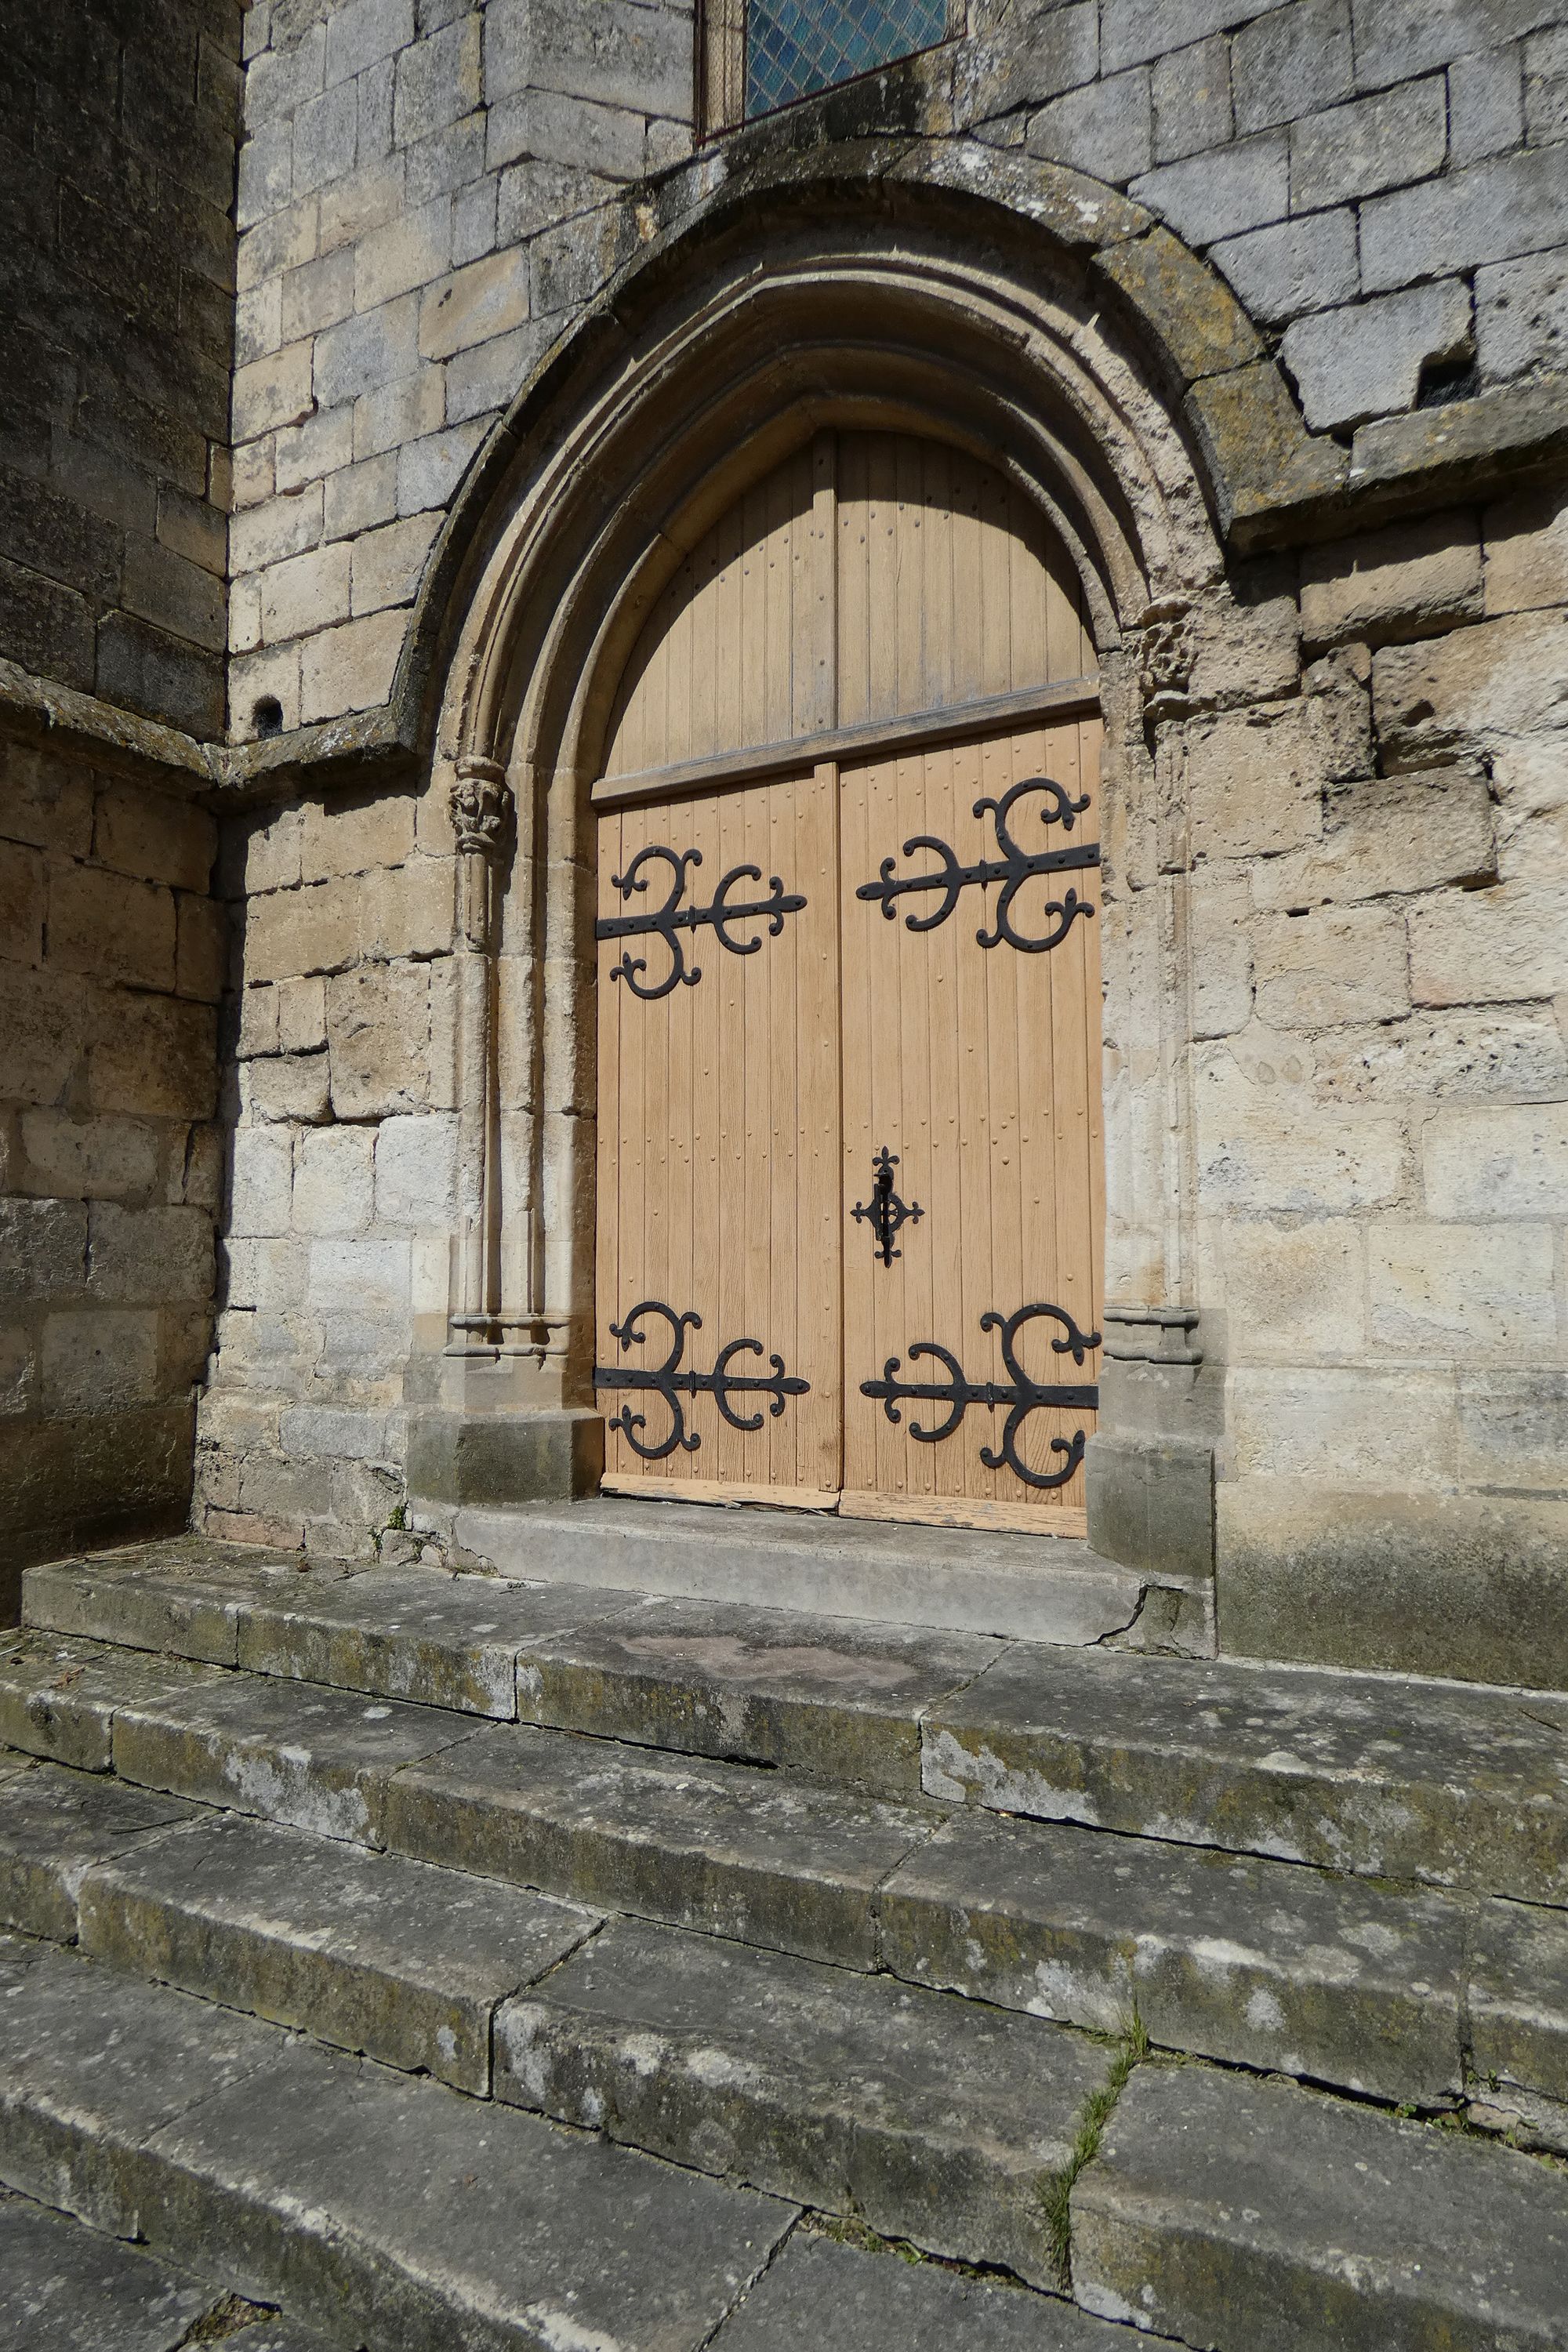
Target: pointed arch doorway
{"x":851,"y":1191}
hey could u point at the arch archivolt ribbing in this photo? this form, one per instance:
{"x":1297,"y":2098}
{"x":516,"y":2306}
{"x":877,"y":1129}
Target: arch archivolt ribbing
{"x":600,"y":504}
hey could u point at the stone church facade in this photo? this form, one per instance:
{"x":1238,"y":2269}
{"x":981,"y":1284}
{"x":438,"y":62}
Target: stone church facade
{"x":378,"y":372}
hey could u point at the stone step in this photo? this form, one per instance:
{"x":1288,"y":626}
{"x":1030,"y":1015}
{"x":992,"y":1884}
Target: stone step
{"x":833,"y":1698}
{"x":837,"y":2299}
{"x":55,"y":1824}
{"x":1387,"y":1775}
{"x":934,"y":2120}
{"x":939,"y":2121}
{"x":729,"y":2058}
{"x":377,"y":2207}
{"x":956,"y":1580}
{"x":57,"y":1698}
{"x":67,"y":2288}
{"x":406,"y":1963}
{"x":1259,"y":1963}
{"x":388,"y":2209}
{"x":1380,"y":1775}
{"x":1230,"y":2211}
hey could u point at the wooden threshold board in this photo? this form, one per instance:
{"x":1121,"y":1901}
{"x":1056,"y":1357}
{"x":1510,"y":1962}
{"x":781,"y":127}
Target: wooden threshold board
{"x":913,"y":1510}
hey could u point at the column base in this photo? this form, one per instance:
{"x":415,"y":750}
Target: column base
{"x":553,"y":1456}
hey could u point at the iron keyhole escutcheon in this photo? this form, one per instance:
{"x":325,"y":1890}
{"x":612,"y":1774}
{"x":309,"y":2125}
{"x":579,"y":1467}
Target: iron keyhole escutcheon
{"x":885,"y":1212}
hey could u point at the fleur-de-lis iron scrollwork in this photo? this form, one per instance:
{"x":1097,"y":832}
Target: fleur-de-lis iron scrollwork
{"x":885,"y":1212}
{"x":1020,"y":1393}
{"x":673,"y":1383}
{"x":668,"y":921}
{"x":1014,"y":868}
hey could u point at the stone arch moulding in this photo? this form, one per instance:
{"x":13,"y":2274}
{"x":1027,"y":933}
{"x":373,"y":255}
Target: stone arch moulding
{"x":703,"y":369}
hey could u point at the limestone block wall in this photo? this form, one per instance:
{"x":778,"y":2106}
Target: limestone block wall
{"x":431,"y":192}
{"x":1355,"y":863}
{"x":117,"y":170}
{"x":422,"y":210}
{"x":1379,"y":1078}
{"x":343,"y":1165}
{"x":111,"y":965}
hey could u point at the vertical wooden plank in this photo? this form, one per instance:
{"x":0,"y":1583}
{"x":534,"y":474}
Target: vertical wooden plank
{"x":632,"y":1173}
{"x":1001,"y":668}
{"x":853,"y":578}
{"x":817,"y":1241}
{"x":944,"y":1200}
{"x":736,"y":1206}
{"x":968,"y":615}
{"x":918,"y":812}
{"x":1005,"y":988}
{"x":882,"y":577}
{"x":779,"y":1324}
{"x":859,"y":923}
{"x":707,"y":1112}
{"x":909,"y":577}
{"x":611,"y":1131}
{"x":885,"y":959}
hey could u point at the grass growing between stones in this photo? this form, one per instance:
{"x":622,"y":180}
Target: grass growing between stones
{"x":1131,"y":2049}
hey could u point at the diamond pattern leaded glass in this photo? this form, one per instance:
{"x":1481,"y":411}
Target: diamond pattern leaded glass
{"x":795,"y":46}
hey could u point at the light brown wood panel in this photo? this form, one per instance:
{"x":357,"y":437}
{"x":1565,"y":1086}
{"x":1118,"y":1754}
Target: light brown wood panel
{"x":719,"y":1194}
{"x":872,"y":576}
{"x":951,"y":586}
{"x":978,"y":1068}
{"x":715,"y":666}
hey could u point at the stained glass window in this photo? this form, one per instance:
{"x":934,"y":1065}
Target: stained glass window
{"x":793,"y":48}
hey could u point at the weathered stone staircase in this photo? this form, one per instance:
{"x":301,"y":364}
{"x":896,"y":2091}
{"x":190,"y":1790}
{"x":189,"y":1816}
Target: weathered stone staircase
{"x":461,"y":1962}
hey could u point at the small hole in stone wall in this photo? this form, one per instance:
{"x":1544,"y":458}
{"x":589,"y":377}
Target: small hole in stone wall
{"x":267,"y":713}
{"x":1445,"y":380}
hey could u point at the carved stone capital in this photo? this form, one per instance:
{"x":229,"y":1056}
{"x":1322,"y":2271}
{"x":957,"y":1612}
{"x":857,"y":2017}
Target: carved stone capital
{"x":1165,"y":659}
{"x":481,"y":805}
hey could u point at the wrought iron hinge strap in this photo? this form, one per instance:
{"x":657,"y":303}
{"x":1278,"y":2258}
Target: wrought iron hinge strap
{"x":1014,"y":868}
{"x":668,"y":921}
{"x":1020,"y":1393}
{"x":672,"y":1381}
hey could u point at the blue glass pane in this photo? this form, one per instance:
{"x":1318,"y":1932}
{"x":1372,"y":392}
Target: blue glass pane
{"x":794,"y":46}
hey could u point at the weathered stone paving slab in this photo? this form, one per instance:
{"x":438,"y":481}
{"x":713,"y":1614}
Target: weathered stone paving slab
{"x":929,"y":2118}
{"x":990,"y":1582}
{"x":1518,"y":1997}
{"x":1229,"y":2212}
{"x":450,"y":1641}
{"x":838,"y":2299}
{"x":53,"y":1825}
{"x":59,"y":1697}
{"x":370,"y":1951}
{"x":65,"y":2288}
{"x":90,"y":2061}
{"x":289,"y":1752}
{"x":754,"y":1855}
{"x":182,"y":1598}
{"x":1260,"y":1962}
{"x":361,"y":2200}
{"x":825,"y":1695}
{"x":1397,"y":1779}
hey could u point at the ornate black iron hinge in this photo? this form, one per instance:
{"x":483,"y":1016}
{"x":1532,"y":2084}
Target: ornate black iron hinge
{"x":1021,"y":1394}
{"x":670,"y":920}
{"x":885,"y":1212}
{"x":669,"y":1382}
{"x":1013,"y":868}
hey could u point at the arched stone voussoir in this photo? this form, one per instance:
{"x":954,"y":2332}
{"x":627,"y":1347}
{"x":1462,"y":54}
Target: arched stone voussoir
{"x":732,"y":212}
{"x":1176,"y":371}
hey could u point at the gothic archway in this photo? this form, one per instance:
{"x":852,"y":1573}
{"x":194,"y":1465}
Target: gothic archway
{"x":815,"y":326}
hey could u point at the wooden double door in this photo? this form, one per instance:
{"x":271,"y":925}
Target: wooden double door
{"x":850,"y":1191}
